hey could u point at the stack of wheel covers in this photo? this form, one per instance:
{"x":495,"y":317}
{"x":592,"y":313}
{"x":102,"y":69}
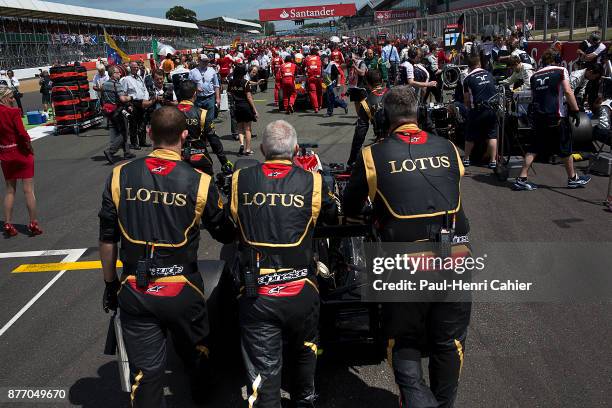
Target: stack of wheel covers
{"x":70,"y":95}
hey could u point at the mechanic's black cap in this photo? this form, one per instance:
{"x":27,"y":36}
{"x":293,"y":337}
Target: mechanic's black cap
{"x":595,"y":37}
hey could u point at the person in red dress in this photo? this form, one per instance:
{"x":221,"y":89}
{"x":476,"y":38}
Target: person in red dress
{"x":17,"y":162}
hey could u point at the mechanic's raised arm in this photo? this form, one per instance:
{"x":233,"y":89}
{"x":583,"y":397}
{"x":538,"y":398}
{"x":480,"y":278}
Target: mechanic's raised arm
{"x":356,"y":192}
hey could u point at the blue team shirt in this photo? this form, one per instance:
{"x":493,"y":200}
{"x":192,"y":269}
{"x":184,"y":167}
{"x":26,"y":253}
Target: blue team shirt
{"x":547,"y":91}
{"x":480,"y":85}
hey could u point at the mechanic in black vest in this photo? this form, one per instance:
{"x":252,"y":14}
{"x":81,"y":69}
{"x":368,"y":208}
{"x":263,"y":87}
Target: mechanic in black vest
{"x":550,"y":89}
{"x":370,"y":110}
{"x":413,"y":180}
{"x":155,"y":206}
{"x":201,"y":132}
{"x":276,"y":206}
{"x":195,"y":151}
{"x":481,"y":123}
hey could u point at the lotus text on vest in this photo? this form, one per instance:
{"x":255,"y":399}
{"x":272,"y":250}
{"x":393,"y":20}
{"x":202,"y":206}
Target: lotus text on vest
{"x":273,"y":199}
{"x":422,"y":163}
{"x":156,"y":197}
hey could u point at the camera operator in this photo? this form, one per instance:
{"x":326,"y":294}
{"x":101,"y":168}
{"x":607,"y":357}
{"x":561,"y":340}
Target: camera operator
{"x":413,"y":205}
{"x":154,"y":206}
{"x":162,"y":93}
{"x":521,"y":74}
{"x":134,"y":87}
{"x":370,"y":110}
{"x":276,"y":206}
{"x":551,"y":124}
{"x":180,"y":74}
{"x":478,"y":90}
{"x":114,"y":104}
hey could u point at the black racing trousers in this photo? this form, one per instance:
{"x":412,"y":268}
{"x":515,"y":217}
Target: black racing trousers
{"x":270,"y":328}
{"x":233,"y":121}
{"x":217,"y":146}
{"x":263,"y":74}
{"x":437,"y":330}
{"x":137,"y":126}
{"x":147,"y":318}
{"x":361,"y":131}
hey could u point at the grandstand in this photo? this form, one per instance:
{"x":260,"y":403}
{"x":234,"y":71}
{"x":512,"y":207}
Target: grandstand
{"x":228,"y":24}
{"x":40,"y":33}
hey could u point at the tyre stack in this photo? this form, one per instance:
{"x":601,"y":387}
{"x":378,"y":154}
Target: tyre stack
{"x":70,"y":95}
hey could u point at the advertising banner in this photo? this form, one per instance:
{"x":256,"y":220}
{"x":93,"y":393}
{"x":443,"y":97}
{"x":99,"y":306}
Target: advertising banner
{"x":387,"y":15}
{"x":304,"y":13}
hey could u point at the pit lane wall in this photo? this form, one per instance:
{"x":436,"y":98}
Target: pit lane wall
{"x":569,"y":52}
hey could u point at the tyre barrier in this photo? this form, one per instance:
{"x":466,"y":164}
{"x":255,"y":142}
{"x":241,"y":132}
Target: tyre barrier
{"x":74,"y":86}
{"x":61,"y":75}
{"x":61,"y":97}
{"x":83,"y":102}
{"x":71,"y":118}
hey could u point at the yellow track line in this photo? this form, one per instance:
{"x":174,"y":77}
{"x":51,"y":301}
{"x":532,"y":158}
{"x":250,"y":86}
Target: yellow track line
{"x":58,"y":266}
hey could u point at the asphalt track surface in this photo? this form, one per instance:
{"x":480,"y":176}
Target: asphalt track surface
{"x":517,"y":355}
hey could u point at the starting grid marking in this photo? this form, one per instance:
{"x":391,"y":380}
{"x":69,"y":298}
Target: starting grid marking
{"x":71,"y":256}
{"x":59,"y":266}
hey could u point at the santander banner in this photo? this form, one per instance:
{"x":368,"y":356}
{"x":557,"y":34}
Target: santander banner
{"x":304,"y":13}
{"x":394,"y":14}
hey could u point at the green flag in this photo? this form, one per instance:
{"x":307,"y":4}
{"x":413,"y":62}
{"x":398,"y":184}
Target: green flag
{"x":154,"y":47}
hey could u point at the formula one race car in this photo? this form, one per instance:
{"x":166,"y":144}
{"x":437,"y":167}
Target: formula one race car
{"x":301,"y":89}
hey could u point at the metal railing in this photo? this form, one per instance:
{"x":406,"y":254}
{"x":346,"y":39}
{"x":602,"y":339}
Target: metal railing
{"x":538,"y":19}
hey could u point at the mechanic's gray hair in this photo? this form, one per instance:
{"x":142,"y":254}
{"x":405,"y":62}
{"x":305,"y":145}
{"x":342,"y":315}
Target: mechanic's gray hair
{"x":279,"y":140}
{"x":400,"y":103}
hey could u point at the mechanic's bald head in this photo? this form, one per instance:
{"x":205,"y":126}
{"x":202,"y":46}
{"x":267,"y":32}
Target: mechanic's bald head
{"x":279,"y":141}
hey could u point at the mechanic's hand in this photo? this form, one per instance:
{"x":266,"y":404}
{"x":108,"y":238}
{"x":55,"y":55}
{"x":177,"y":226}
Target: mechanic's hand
{"x":109,"y":300}
{"x":575,"y":115}
{"x":432,"y":84}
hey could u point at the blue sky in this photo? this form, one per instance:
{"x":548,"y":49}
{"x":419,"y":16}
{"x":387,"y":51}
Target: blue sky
{"x":204,"y":8}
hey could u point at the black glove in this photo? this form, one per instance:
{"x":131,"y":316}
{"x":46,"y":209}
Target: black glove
{"x":109,"y":300}
{"x":575,"y":115}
